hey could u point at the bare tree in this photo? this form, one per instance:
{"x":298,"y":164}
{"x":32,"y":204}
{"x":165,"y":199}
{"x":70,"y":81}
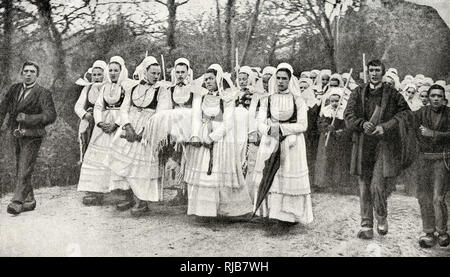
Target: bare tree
{"x":54,"y":34}
{"x":172,"y":6}
{"x":251,"y":31}
{"x":317,"y":14}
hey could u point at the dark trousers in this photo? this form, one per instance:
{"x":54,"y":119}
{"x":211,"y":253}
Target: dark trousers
{"x":433,"y":181}
{"x":373,"y":194}
{"x":27,"y":149}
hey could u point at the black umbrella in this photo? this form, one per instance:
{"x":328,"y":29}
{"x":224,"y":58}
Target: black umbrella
{"x":271,"y":166}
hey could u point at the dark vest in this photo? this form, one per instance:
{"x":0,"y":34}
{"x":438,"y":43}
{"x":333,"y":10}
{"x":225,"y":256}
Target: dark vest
{"x":117,"y":104}
{"x":152,"y":104}
{"x":218,"y":117}
{"x":187,"y":104}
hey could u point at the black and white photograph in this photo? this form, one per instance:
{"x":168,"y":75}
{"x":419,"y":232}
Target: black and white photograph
{"x":224,"y":128}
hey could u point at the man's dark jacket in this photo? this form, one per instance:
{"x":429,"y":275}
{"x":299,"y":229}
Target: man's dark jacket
{"x":393,"y":109}
{"x":37,"y":106}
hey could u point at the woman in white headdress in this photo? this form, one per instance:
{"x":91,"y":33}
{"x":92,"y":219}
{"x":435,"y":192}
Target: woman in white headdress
{"x":423,"y":95}
{"x":283,"y":122}
{"x":133,"y":163}
{"x":411,"y":97}
{"x":314,"y":74}
{"x":245,"y":112}
{"x":447,"y":94}
{"x":335,"y":81}
{"x":254,"y":136}
{"x":179,"y":117}
{"x":307,"y":90}
{"x":419,"y":80}
{"x":427,"y":81}
{"x":393,"y":71}
{"x":95,"y":174}
{"x":304,"y":83}
{"x":305,"y":74}
{"x":352,"y":85}
{"x":84,"y":106}
{"x":216,"y":184}
{"x":332,"y":162}
{"x":392,"y":79}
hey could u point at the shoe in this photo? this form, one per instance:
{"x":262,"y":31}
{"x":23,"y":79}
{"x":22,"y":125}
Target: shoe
{"x":139,"y":209}
{"x":444,"y":240}
{"x":365,"y":233}
{"x":93,"y":200}
{"x":14,"y":208}
{"x":428,"y":240}
{"x":382,"y":228}
{"x":125,"y":205}
{"x":29,"y":206}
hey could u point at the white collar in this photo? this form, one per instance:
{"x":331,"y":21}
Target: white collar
{"x":25,"y":86}
{"x":372,"y":86}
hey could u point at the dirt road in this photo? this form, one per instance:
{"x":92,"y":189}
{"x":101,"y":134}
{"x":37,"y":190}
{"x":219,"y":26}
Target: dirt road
{"x":62,"y":226}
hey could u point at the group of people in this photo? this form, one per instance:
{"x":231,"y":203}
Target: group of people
{"x":256,"y":146}
{"x":218,"y":134}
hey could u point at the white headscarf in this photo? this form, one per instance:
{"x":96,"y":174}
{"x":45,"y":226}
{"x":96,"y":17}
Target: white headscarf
{"x":447,"y":88}
{"x":318,"y":81}
{"x":256,"y":71}
{"x":259,"y":86}
{"x":422,"y":89}
{"x":441,"y":83}
{"x":97,"y":64}
{"x":293,"y":82}
{"x":410,"y":85}
{"x":324,"y":72}
{"x":123,"y":76}
{"x":305,"y":73}
{"x":327,"y":110}
{"x":409,"y":77}
{"x":141,"y":69}
{"x":428,"y":81}
{"x":251,"y":76}
{"x":190,"y":76}
{"x":305,"y":80}
{"x":394,"y":77}
{"x":220,"y":78}
{"x":269,"y":70}
{"x":338,"y":77}
{"x":352,"y":84}
{"x":393,"y":70}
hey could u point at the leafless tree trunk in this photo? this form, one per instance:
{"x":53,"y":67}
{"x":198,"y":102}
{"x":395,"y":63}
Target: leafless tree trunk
{"x":172,"y":6}
{"x":273,"y":47}
{"x":229,"y":15}
{"x":45,"y":12}
{"x":251,"y":32}
{"x":6,"y":50}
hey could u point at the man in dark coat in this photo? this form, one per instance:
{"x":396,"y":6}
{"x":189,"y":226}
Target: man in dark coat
{"x":433,"y":176}
{"x":373,"y":113}
{"x":30,"y":108}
